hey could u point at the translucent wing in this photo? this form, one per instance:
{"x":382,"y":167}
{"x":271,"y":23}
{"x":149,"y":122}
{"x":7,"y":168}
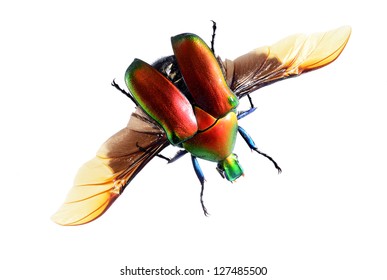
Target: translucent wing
{"x":101,"y":180}
{"x":289,"y":57}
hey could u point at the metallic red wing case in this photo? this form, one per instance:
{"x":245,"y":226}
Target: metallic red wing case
{"x":162,"y":101}
{"x":203,"y":75}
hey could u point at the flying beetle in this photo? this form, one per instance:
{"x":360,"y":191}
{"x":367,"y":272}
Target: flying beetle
{"x":190,"y":100}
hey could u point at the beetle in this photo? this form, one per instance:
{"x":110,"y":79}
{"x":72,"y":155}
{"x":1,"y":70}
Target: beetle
{"x":190,"y":100}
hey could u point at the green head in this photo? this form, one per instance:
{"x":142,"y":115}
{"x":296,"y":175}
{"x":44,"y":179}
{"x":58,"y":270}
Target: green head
{"x":229,"y":168}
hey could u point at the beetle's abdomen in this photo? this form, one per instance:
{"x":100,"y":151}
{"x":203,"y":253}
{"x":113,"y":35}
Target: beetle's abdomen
{"x":217,"y":141}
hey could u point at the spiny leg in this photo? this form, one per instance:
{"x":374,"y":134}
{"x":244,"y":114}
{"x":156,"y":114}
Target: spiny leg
{"x":213,"y":36}
{"x":200,"y":175}
{"x":243,"y":114}
{"x":250,"y":100}
{"x":178,"y":155}
{"x":157,"y":155}
{"x":252,"y":146}
{"x":163,"y":157}
{"x":114,"y":84}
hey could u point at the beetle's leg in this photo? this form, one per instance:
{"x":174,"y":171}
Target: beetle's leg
{"x":252,"y":146}
{"x":250,"y":100}
{"x":163,"y":157}
{"x":199,"y":174}
{"x":213,"y":36}
{"x":114,"y":84}
{"x":158,"y":155}
{"x":178,"y":155}
{"x":243,"y":114}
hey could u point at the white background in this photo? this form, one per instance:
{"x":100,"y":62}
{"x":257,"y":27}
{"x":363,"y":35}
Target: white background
{"x":324,"y":217}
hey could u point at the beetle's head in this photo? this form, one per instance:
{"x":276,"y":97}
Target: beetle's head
{"x":229,"y":168}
